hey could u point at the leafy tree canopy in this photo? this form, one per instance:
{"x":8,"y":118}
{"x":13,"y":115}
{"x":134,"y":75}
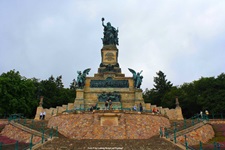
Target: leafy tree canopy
{"x":207,"y":93}
{"x":21,"y":95}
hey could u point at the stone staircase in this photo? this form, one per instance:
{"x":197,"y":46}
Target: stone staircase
{"x":189,"y":129}
{"x":27,"y":129}
{"x":154,"y":143}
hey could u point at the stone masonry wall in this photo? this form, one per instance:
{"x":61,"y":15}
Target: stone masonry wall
{"x":203,"y":134}
{"x":52,"y":111}
{"x":18,"y":134}
{"x":88,"y":126}
{"x":172,"y":114}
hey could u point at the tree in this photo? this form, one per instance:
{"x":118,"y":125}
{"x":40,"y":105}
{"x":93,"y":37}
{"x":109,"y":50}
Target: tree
{"x":207,"y":93}
{"x":59,"y":83}
{"x":161,"y":86}
{"x":21,"y":95}
{"x":73,"y":84}
{"x":54,"y":93}
{"x":17,"y":94}
{"x":188,"y":100}
{"x":169,"y":98}
{"x":211,"y":93}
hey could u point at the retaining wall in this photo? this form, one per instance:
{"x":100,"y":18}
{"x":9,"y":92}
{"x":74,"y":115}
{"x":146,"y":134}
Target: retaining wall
{"x":203,"y":134}
{"x":109,"y":125}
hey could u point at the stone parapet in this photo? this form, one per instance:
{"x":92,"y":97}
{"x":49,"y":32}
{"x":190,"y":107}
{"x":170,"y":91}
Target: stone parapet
{"x":65,"y":106}
{"x":48,"y":113}
{"x":70,"y":106}
{"x":53,"y":111}
{"x":153,"y":106}
{"x":60,"y":109}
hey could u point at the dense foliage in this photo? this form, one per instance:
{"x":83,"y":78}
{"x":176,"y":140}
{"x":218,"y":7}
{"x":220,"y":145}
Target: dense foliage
{"x":207,"y":93}
{"x":21,"y":95}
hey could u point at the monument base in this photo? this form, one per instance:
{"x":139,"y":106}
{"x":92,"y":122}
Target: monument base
{"x":109,"y":125}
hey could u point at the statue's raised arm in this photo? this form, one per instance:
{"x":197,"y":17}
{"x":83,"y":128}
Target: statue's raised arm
{"x":103,"y":22}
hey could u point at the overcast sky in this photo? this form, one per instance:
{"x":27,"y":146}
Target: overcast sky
{"x":183,"y":38}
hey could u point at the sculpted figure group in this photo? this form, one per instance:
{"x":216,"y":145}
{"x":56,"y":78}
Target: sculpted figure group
{"x":113,"y":96}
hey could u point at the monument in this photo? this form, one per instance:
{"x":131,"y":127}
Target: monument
{"x":109,"y":83}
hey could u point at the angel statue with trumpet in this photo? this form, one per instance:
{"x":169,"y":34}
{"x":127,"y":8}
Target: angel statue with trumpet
{"x":137,"y":77}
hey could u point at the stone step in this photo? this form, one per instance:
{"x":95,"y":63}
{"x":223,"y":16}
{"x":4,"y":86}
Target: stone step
{"x":47,"y":148}
{"x":155,"y":143}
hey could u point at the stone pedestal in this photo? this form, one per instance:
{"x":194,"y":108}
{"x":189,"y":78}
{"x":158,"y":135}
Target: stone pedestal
{"x":179,"y":113}
{"x":80,"y":94}
{"x":79,"y":101}
{"x":109,"y":83}
{"x":38,"y":111}
{"x":109,"y":62}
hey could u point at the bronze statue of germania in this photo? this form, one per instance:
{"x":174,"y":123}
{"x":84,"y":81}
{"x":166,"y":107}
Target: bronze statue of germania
{"x":110,"y":34}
